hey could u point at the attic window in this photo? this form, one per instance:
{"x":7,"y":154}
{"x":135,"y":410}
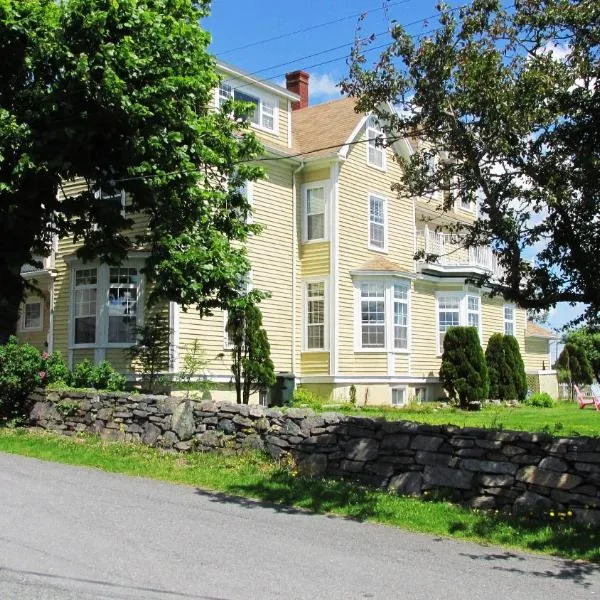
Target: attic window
{"x":375,"y":149}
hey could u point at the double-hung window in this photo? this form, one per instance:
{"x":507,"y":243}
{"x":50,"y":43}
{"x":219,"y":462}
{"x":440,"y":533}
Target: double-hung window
{"x":375,"y":148}
{"x":383,"y":315}
{"x":315,"y":315}
{"x":448,"y":316}
{"x":474,"y":312}
{"x":32,"y":316}
{"x":315,"y":197}
{"x":377,"y":223}
{"x":85,"y":316}
{"x":509,"y":320}
{"x":105,"y":306}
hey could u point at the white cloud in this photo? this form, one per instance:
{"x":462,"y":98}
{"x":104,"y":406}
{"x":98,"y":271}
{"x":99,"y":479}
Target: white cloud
{"x":323,"y":86}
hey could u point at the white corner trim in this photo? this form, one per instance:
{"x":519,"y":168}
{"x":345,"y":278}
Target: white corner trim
{"x":334,"y":287}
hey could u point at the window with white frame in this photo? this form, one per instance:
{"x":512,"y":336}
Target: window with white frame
{"x":448,"y":316}
{"x":474,"y":312}
{"x":122,"y":305}
{"x":84,"y":302}
{"x":400,"y":299}
{"x":509,"y":320}
{"x":106,"y":305}
{"x":398,"y":396}
{"x":32,"y":316}
{"x":315,"y":211}
{"x":375,"y":149}
{"x":372,"y":311}
{"x":377,"y":223}
{"x":263,"y":114}
{"x":315,"y":315}
{"x":420,"y":394}
{"x":383,"y":315}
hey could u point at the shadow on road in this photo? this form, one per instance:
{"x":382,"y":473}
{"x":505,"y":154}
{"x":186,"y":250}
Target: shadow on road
{"x":93,"y":586}
{"x":574,"y":571}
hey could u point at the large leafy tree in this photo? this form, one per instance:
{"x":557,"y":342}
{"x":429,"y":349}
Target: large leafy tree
{"x":510,"y":99}
{"x":589,"y":340}
{"x":120,"y":93}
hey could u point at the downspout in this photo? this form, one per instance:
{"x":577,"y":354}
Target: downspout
{"x":294,"y":261}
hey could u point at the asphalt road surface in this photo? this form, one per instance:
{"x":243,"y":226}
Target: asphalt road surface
{"x":75,"y":533}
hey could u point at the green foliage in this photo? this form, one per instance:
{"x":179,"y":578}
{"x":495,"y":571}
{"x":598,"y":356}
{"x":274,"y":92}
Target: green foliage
{"x":491,"y":89}
{"x":540,"y":399}
{"x":251,"y":366}
{"x":573,"y":365}
{"x":306,"y":399}
{"x":192,"y":375}
{"x":501,"y":380}
{"x":588,"y":339}
{"x":55,"y":369}
{"x":20,"y":373}
{"x":516,"y":367}
{"x":463,"y":372}
{"x":101,"y":377}
{"x":68,"y":408}
{"x":151,"y":352}
{"x":134,"y":81}
{"x":353,"y":395}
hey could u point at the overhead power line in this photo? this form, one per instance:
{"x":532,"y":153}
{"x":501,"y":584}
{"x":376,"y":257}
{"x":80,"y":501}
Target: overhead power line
{"x":313,"y":27}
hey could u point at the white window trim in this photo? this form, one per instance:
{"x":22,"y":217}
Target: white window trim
{"x":383,"y":250}
{"x":32,"y":300}
{"x":326,"y":185}
{"x":373,"y":131}
{"x":121,"y":192}
{"x":102,"y":288}
{"x":463,"y":312}
{"x":389,"y":315}
{"x":262,"y":99}
{"x":404,"y":388}
{"x":326,"y":324}
{"x":513,"y":320}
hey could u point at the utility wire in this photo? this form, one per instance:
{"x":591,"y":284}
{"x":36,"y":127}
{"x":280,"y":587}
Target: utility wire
{"x":312,"y":27}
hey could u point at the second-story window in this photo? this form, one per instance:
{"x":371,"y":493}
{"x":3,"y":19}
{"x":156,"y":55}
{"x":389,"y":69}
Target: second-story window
{"x":263,"y":114}
{"x":377,"y":223}
{"x":315,"y":210}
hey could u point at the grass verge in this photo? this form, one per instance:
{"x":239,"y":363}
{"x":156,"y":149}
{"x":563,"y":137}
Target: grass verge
{"x":255,"y":476}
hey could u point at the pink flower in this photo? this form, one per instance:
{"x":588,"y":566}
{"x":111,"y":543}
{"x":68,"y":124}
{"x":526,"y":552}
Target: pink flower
{"x":45,"y":355}
{"x":42,"y":374}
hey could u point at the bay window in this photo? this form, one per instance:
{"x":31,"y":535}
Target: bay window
{"x":105,"y":305}
{"x":448,"y":316}
{"x":383,"y":315}
{"x":509,"y":320}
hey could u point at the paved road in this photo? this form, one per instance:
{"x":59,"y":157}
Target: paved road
{"x":69,"y":533}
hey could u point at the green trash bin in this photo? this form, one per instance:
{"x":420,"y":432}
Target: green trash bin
{"x":283,"y":389}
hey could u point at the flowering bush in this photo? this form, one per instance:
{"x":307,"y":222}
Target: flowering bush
{"x":54,"y":369}
{"x":21,"y":370}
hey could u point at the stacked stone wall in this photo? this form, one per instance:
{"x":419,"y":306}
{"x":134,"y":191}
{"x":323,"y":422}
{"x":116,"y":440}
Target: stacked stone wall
{"x":507,"y":470}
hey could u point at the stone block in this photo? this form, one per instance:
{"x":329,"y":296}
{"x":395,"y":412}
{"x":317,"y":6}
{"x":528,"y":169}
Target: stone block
{"x":439,"y":476}
{"x":484,"y":502}
{"x":434,"y":458}
{"x":530,"y":501}
{"x":210,"y":439}
{"x":461,"y":442}
{"x":489,"y":444}
{"x":362,"y":449}
{"x":290,"y":428}
{"x":395,"y":442}
{"x":470,"y":452}
{"x":551,"y":463}
{"x":586,"y":457}
{"x":426,"y":442}
{"x":513,"y":450}
{"x":273,"y":440}
{"x":242,"y":421}
{"x":182,"y":421}
{"x":588,"y":517}
{"x":261,"y":425}
{"x":168,"y":440}
{"x":407,"y":484}
{"x":312,"y":465}
{"x":226,"y":426}
{"x":570,"y":499}
{"x":311,"y":423}
{"x":551,"y":479}
{"x":253,"y":442}
{"x":498,"y":480}
{"x":488,"y":466}
{"x":351,"y":466}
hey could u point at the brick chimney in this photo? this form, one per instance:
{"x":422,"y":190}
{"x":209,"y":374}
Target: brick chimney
{"x":297,"y":82}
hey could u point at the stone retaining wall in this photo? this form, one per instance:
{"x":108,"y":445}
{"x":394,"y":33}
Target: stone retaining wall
{"x":506,"y":470}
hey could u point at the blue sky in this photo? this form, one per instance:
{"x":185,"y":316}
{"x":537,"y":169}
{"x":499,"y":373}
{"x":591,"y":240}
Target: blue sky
{"x":321,"y":50}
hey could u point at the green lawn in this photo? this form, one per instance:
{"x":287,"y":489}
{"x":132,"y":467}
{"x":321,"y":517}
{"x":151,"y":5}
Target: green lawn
{"x":255,"y":476}
{"x":564,"y":419}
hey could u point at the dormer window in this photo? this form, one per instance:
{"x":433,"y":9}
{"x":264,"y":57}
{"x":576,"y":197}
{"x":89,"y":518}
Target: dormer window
{"x":264,"y":113}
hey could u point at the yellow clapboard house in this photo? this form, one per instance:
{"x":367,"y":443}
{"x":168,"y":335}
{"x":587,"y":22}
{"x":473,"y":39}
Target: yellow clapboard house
{"x":349,"y":305}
